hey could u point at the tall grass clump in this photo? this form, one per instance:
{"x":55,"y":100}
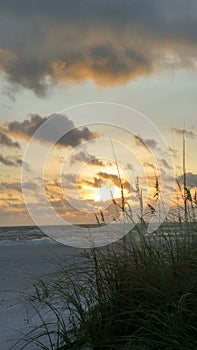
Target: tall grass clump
{"x":137,"y":294}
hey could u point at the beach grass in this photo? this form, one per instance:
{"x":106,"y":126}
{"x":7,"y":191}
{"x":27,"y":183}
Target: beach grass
{"x":140,"y":293}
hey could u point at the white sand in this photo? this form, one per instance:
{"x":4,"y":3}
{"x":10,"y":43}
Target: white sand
{"x":20,"y":266}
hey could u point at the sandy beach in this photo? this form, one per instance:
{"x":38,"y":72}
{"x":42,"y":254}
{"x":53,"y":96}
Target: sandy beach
{"x":21,"y":266}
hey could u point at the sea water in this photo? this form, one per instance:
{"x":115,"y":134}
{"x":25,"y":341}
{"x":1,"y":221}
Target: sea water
{"x":81,"y":236}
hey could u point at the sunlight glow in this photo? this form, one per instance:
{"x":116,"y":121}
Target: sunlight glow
{"x":106,"y":192}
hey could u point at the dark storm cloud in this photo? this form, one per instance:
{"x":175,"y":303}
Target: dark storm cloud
{"x":28,"y":127}
{"x":7,"y":141}
{"x":109,"y":42}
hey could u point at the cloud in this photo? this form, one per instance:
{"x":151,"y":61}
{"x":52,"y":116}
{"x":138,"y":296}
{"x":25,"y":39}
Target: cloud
{"x":165,"y":163}
{"x":6,"y":161}
{"x":144,"y":143}
{"x":6,"y":141}
{"x":16,"y":186}
{"x":28,"y":127}
{"x":109,"y":42}
{"x":102,"y":176}
{"x":16,"y":162}
{"x":151,"y":143}
{"x":187,"y":133}
{"x":70,"y":181}
{"x":149,"y":165}
{"x":129,"y":166}
{"x":85,"y":157}
{"x":174,"y":152}
{"x":30,"y":186}
{"x":191,"y":179}
{"x":21,"y":162}
{"x":139,"y":141}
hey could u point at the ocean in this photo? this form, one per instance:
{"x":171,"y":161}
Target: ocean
{"x":22,"y":235}
{"x":81,"y":236}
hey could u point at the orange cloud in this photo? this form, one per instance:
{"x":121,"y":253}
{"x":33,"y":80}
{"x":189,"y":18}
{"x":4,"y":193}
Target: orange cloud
{"x":99,"y":71}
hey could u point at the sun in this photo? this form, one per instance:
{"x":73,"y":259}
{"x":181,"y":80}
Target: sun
{"x":106,"y":192}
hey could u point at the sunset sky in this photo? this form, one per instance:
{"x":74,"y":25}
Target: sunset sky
{"x":56,"y":59}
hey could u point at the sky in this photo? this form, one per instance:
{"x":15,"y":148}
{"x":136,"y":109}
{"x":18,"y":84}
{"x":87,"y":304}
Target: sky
{"x":119,"y":78}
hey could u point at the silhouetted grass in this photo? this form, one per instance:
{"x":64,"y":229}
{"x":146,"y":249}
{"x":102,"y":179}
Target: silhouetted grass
{"x":138,"y":294}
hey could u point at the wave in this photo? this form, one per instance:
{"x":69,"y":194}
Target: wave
{"x":22,"y":235}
